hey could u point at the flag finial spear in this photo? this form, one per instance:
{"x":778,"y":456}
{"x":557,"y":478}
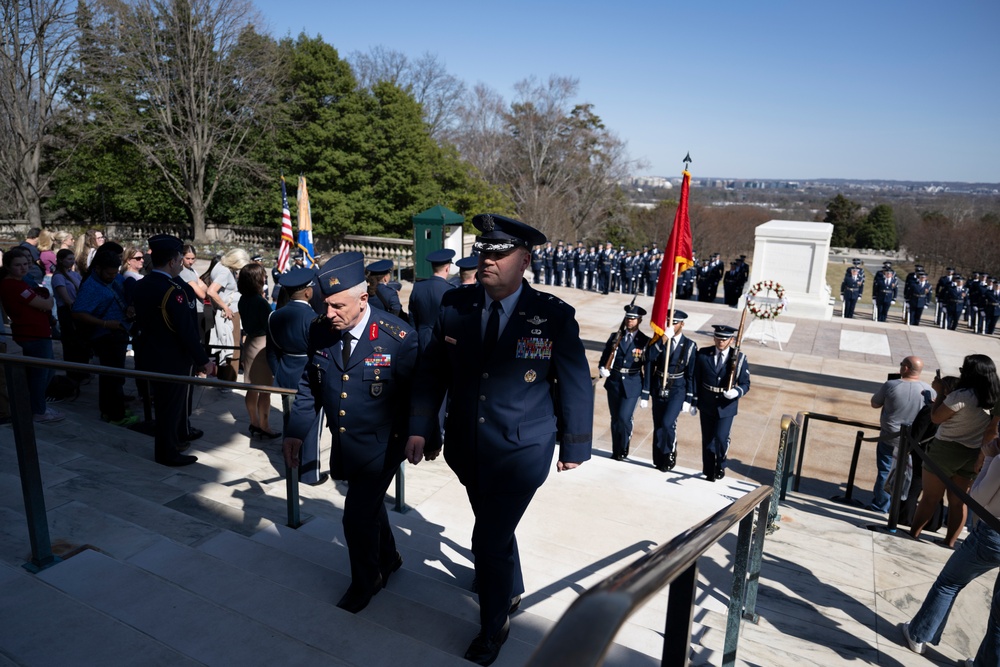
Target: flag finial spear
{"x":687,"y":160}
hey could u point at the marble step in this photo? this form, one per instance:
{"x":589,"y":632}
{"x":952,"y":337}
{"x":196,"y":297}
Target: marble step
{"x":189,"y":624}
{"x":44,"y":626}
{"x":353,"y":639}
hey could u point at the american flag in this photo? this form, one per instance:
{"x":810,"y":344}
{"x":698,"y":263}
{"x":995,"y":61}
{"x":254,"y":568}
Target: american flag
{"x":286,"y":231}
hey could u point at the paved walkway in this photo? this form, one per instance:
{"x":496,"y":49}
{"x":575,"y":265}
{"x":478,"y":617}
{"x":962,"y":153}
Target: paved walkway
{"x":832,"y":591}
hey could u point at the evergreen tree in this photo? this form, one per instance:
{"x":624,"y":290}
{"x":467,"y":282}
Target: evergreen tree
{"x":878,"y":230}
{"x":843,"y":213}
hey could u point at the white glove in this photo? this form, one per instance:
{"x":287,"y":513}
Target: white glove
{"x":686,"y":407}
{"x":693,"y":411}
{"x":605,"y":373}
{"x":893,"y":303}
{"x":644,"y":404}
{"x":731,"y":393}
{"x":841,"y":297}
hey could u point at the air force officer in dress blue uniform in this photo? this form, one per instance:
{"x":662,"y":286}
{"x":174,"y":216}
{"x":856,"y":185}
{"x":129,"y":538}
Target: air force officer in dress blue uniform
{"x":425,"y":299}
{"x":717,"y":403}
{"x":360,"y":370}
{"x":287,"y":352}
{"x":626,"y":379}
{"x":382,"y":297}
{"x":518,"y":381}
{"x":673,"y":395}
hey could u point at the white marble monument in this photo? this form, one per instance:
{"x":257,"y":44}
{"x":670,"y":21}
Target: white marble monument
{"x":795,"y":254}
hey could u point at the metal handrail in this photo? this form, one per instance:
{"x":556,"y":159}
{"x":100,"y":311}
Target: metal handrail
{"x":583,"y":635}
{"x":22,"y":423}
{"x":804,"y":418}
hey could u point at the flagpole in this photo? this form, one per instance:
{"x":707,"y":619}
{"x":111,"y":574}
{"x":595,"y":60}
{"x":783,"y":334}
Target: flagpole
{"x":670,"y":323}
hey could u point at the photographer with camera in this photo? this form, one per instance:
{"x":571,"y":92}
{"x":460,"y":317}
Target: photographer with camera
{"x":672,"y":395}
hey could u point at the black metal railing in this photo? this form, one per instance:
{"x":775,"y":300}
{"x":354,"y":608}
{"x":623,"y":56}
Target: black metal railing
{"x":797,"y":447}
{"x":583,"y":635}
{"x":15,"y":370}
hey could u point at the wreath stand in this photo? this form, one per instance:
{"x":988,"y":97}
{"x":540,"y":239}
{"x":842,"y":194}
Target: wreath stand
{"x":768,"y":329}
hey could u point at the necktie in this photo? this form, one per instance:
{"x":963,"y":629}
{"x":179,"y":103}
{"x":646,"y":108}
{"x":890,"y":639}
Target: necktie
{"x":719,"y":356}
{"x":492,"y":329}
{"x":345,"y":353}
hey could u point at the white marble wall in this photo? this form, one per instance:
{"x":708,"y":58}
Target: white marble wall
{"x":794,"y":253}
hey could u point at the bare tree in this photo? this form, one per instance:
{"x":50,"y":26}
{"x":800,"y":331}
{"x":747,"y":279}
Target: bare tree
{"x":190,"y":83}
{"x":439,"y":93}
{"x":37,"y":46}
{"x":481,"y":134}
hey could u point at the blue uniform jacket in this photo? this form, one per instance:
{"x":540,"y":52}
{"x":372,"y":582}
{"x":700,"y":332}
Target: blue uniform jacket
{"x":366,"y":404}
{"x":288,"y":342}
{"x":681,"y":373}
{"x":425,"y":302}
{"x":710,"y":383}
{"x":920,"y":296}
{"x":169,"y":340}
{"x":627,"y":376}
{"x":505,"y":413}
{"x":386,"y":299}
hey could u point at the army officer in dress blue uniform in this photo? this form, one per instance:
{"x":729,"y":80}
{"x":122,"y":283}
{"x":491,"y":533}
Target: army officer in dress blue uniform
{"x":717,"y":402}
{"x":425,"y":299}
{"x":626,"y":379}
{"x":171,"y":343}
{"x":672,"y":395}
{"x":360,"y":370}
{"x":287,"y":352}
{"x":498,"y":349}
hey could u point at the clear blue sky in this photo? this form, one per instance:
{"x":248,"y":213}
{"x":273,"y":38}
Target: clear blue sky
{"x":859,"y":89}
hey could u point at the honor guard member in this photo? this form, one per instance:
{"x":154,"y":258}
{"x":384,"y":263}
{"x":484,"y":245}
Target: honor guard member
{"x":955,"y":302}
{"x":704,"y":278}
{"x":287,"y":352}
{"x":884,"y":292}
{"x":941,"y":290}
{"x":425,"y":298}
{"x":625,"y":275}
{"x":605,"y":258}
{"x":360,"y":370}
{"x":380,"y":295}
{"x":920,"y":297}
{"x":626,"y":380}
{"x":171,"y":342}
{"x":518,"y":381}
{"x":580,"y":265}
{"x":732,"y":285}
{"x":991,"y":306}
{"x":718,"y":405}
{"x":850,"y":291}
{"x":744,"y":270}
{"x":857,"y":264}
{"x":559,"y":258}
{"x":537,"y":261}
{"x":672,"y":396}
{"x":653,"y":267}
{"x":592,"y":258}
{"x":548,"y":261}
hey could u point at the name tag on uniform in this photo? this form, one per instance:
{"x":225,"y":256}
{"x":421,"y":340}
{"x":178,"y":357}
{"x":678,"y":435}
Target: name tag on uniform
{"x":379,"y":360}
{"x":534,"y":348}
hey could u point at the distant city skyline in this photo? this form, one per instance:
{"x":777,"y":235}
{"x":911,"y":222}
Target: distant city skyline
{"x":856,"y":90}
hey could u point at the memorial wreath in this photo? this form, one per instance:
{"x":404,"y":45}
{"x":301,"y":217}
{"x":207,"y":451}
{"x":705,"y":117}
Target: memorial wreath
{"x":766,"y":310}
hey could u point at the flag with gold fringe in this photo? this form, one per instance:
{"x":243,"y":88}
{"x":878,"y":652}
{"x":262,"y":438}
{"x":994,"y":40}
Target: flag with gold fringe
{"x":677,"y":257}
{"x":286,"y":230}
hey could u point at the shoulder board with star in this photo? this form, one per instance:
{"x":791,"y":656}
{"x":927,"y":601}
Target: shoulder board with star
{"x":396,"y":331}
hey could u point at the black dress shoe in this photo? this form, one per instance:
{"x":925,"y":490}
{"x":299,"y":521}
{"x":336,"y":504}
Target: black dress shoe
{"x":184,"y":446}
{"x":515,"y":604}
{"x":710,"y":476}
{"x":357,"y":597}
{"x":617,"y":457}
{"x":321,"y":481}
{"x":387,"y":570}
{"x":193,"y":434}
{"x":484,"y":650}
{"x":671,"y":460}
{"x":720,"y":472}
{"x":177,"y":461}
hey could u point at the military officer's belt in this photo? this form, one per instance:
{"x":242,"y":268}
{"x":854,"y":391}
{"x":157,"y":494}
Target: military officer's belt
{"x":714,"y":390}
{"x":627,"y":371}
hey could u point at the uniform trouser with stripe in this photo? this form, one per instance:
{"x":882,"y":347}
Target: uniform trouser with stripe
{"x":665,"y":413}
{"x":714,"y":440}
{"x":621,"y":408}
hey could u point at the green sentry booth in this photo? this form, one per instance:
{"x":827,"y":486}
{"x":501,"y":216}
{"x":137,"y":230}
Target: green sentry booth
{"x":436,"y":228}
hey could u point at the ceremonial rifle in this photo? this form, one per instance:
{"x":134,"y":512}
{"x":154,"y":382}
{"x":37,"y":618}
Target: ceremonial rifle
{"x":735,"y":354}
{"x":610,"y":358}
